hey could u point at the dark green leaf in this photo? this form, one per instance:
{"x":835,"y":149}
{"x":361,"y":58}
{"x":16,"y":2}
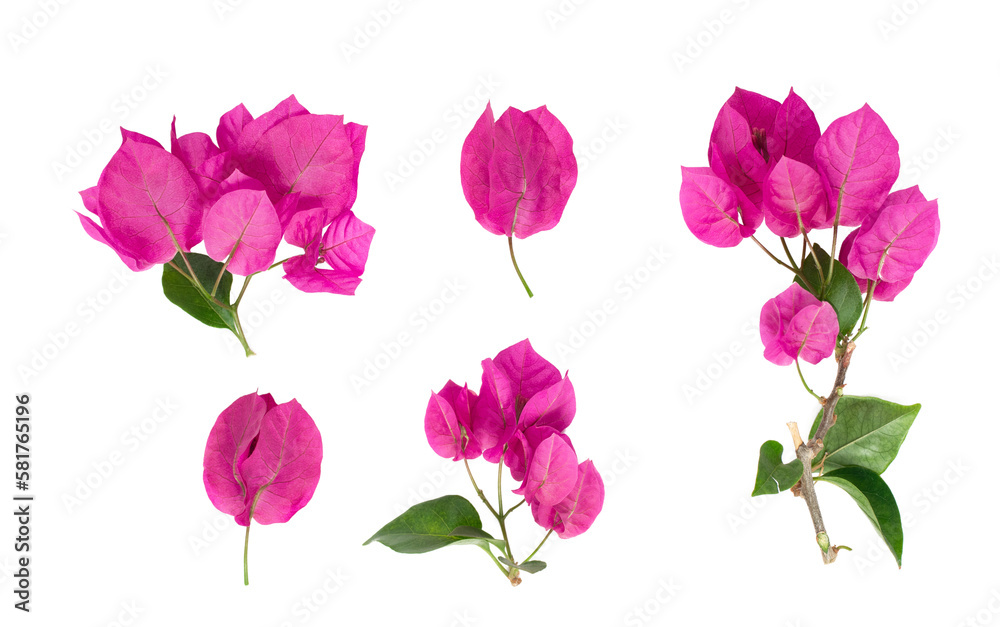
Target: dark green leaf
{"x":182,"y":293}
{"x":772,"y":475}
{"x":506,"y":562}
{"x":875,"y":499}
{"x":429,"y":525}
{"x":842,"y":292}
{"x":868,"y":433}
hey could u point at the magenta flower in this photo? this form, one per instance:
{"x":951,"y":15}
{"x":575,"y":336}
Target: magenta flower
{"x":287,"y":175}
{"x":795,"y":324}
{"x":892,"y":244}
{"x":751,"y":135}
{"x":448,"y":423}
{"x":518,"y":173}
{"x":262,"y":461}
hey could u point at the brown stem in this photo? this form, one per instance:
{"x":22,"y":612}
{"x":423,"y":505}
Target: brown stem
{"x":807,"y":451}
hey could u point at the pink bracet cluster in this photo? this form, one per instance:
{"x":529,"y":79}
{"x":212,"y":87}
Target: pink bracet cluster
{"x":287,"y":174}
{"x":769,"y":163}
{"x":519,"y":418}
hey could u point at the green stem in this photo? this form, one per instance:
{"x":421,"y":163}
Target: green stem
{"x":274,"y":265}
{"x":246,"y":282}
{"x":819,"y":266}
{"x":771,"y":255}
{"x":510,"y":244}
{"x":528,"y":559}
{"x":519,"y":504}
{"x":502,"y":568}
{"x":478,"y":491}
{"x":500,"y":515}
{"x":240,"y":334}
{"x":795,"y":268}
{"x":836,"y":223}
{"x":788,"y":253}
{"x":246,"y":549}
{"x":864,"y":316}
{"x":218,"y":279}
{"x":803,"y":379}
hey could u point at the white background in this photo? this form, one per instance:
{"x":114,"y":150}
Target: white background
{"x":679,"y":540}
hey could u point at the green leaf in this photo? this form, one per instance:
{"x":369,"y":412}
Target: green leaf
{"x":875,"y":499}
{"x":533,"y":566}
{"x":179,"y":290}
{"x":429,"y":525}
{"x":842,"y":292}
{"x":529,"y":567}
{"x":868,"y":433}
{"x":772,"y":475}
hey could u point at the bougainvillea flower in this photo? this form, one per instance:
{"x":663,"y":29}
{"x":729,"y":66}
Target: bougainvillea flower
{"x":528,"y":372}
{"x":896,"y":242}
{"x":553,"y":407}
{"x":907,"y":251}
{"x":552,"y":471}
{"x":262,"y":461}
{"x":509,"y":381}
{"x":448,"y":425}
{"x":519,"y":420}
{"x":152,"y":203}
{"x":518,"y":172}
{"x":858,"y":160}
{"x":795,"y":324}
{"x":752,"y":132}
{"x":725,"y":203}
{"x":282,"y":470}
{"x":576,"y":513}
{"x":522,"y":446}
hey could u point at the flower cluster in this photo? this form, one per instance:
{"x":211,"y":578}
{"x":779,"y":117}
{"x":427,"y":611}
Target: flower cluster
{"x":288,"y":174}
{"x":769,"y":163}
{"x":519,"y":419}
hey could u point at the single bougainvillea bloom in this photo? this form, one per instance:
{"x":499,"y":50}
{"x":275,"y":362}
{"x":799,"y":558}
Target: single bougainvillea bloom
{"x":518,"y":172}
{"x":517,"y":420}
{"x":287,"y":175}
{"x":726,"y":202}
{"x":262,"y":462}
{"x":796,"y":325}
{"x":448,"y":422}
{"x":893,"y":244}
